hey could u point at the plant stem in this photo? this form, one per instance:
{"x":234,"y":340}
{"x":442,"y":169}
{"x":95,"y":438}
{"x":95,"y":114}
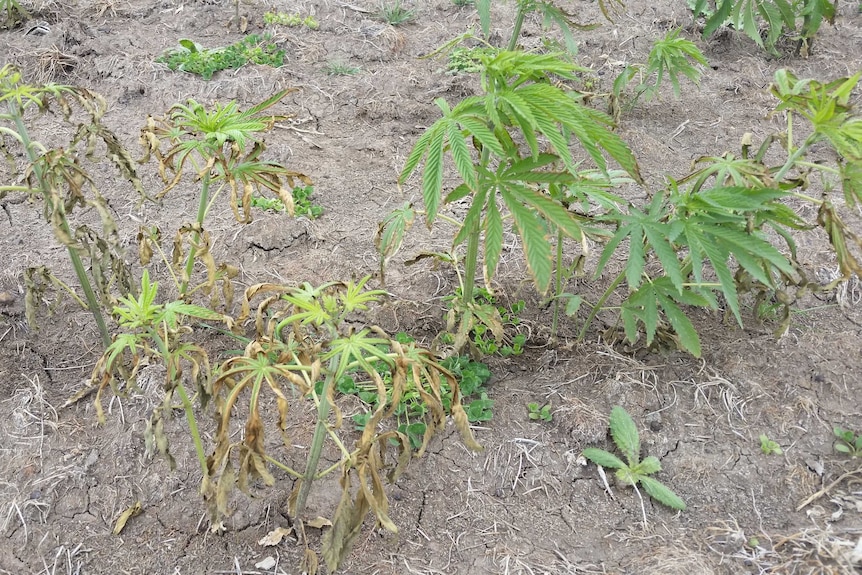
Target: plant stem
{"x":598,"y":307}
{"x":202,"y":212}
{"x":318,"y":437}
{"x":516,"y":31}
{"x":184,"y":397}
{"x":472,"y":258}
{"x":558,"y":285}
{"x":92,"y":302}
{"x":471,"y":262}
{"x":795,"y":155}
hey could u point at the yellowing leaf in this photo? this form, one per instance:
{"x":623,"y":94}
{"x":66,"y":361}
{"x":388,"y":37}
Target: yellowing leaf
{"x":126,"y":515}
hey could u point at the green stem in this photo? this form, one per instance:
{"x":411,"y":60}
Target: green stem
{"x":516,"y":31}
{"x":203,"y":205}
{"x":317,"y":439}
{"x":193,"y":427}
{"x":598,"y":307}
{"x":471,"y":261}
{"x":283,"y":467}
{"x":795,"y":155}
{"x":92,"y":301}
{"x":558,"y":285}
{"x":184,"y":398}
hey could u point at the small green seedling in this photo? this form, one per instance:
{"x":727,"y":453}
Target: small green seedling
{"x":338,"y":68}
{"x":394,"y":14}
{"x":769,"y":447}
{"x":848,"y":442}
{"x":290,"y":20}
{"x":633,"y":470}
{"x":540,"y":412}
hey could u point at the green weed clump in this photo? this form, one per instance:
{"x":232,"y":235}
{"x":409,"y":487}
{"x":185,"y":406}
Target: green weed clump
{"x":412,"y":409}
{"x":394,"y":13}
{"x":193,"y":58}
{"x":302,"y":204}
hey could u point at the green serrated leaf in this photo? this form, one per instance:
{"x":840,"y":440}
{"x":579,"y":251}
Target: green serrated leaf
{"x":681,"y":325}
{"x":661,"y":493}
{"x":537,"y":247}
{"x":603,"y":458}
{"x":625,"y":434}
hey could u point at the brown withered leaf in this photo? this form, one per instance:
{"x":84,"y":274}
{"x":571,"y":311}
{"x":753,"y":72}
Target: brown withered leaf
{"x":275,"y":536}
{"x":319,"y":522}
{"x":346,"y":525}
{"x":310,"y":564}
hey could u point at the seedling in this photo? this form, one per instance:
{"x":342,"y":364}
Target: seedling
{"x":633,"y":470}
{"x":768,"y":446}
{"x":485,"y":333}
{"x":394,"y":14}
{"x":337,"y":68}
{"x":671,"y":56}
{"x":848,"y":442}
{"x":291,"y":20}
{"x":540,"y":412}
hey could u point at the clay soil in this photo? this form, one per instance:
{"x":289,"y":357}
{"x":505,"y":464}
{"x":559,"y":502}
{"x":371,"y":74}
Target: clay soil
{"x":527,"y":504}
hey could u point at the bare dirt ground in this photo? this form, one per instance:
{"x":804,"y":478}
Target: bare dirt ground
{"x":526,"y":504}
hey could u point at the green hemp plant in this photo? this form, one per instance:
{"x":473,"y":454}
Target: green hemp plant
{"x":633,"y":470}
{"x":503,"y":181}
{"x":776,"y":16}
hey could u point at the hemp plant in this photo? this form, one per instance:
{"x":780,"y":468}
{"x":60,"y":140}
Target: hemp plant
{"x":223,"y":148}
{"x":306,"y":341}
{"x":150,"y":331}
{"x":727,"y":211}
{"x":777,"y":16}
{"x":503,"y":181}
{"x":58,"y":176}
{"x":550,"y":12}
